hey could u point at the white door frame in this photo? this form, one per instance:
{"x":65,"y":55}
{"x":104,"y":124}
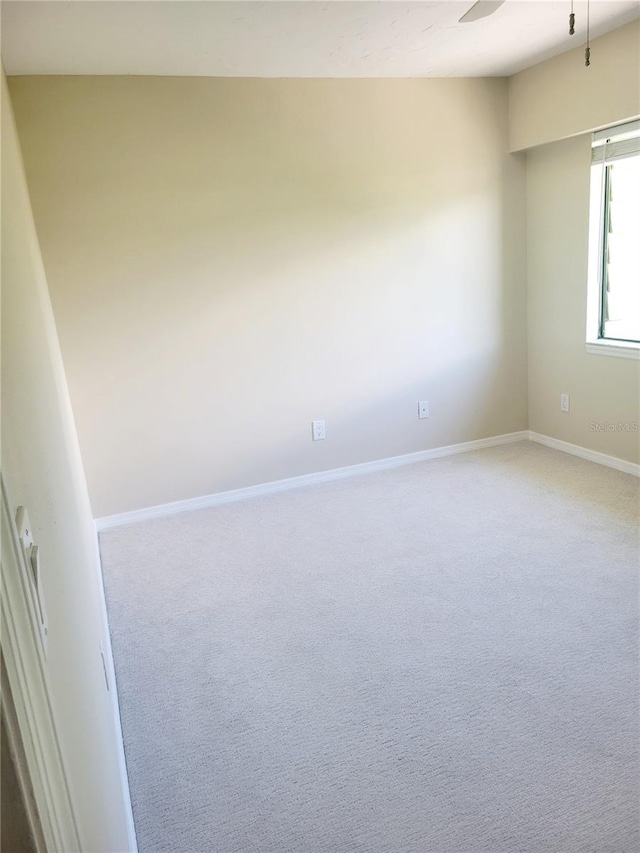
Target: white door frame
{"x":53,"y":822}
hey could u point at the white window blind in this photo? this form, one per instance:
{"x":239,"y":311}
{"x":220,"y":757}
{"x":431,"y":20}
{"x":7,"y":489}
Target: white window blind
{"x":616,"y":143}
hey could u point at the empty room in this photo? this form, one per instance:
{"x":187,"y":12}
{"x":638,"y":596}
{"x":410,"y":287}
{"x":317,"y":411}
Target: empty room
{"x":320,"y":426}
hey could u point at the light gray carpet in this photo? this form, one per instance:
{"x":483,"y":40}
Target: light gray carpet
{"x":442,"y":658}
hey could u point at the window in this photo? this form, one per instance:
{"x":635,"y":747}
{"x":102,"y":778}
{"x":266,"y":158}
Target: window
{"x":613,"y":316}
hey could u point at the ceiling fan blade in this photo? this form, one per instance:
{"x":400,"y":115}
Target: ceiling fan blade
{"x":481,"y":9}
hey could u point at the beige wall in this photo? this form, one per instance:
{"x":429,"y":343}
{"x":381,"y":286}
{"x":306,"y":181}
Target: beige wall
{"x":42,"y":470}
{"x":603,"y":389}
{"x":557,"y":99}
{"x":229,"y":259}
{"x":560,"y":97}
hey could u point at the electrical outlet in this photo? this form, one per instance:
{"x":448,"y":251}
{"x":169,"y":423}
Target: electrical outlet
{"x":423,"y":409}
{"x":564,"y":402}
{"x":318,"y":430}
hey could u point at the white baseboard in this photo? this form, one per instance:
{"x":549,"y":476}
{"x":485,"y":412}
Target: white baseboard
{"x":218,"y":498}
{"x":585,"y":453}
{"x":110,"y":673}
{"x":110,"y":521}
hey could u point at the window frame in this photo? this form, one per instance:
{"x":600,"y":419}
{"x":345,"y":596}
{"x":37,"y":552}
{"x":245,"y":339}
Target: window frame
{"x":596,"y":343}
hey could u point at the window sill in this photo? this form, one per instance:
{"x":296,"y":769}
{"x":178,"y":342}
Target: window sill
{"x":619,"y":350}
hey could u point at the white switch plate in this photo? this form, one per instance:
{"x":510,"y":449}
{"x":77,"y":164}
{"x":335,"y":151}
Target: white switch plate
{"x":25,"y":533}
{"x":318,"y":430}
{"x":34,"y":564}
{"x":423,"y":409}
{"x":564,"y":402}
{"x":31,"y":562}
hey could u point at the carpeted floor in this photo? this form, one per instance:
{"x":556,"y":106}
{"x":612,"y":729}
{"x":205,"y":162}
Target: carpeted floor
{"x":441,"y":658}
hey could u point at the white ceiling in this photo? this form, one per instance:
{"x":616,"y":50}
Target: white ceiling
{"x":307,"y":38}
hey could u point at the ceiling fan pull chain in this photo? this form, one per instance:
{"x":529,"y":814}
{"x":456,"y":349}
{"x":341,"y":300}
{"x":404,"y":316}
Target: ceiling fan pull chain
{"x":572,"y":21}
{"x":587,"y":50}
